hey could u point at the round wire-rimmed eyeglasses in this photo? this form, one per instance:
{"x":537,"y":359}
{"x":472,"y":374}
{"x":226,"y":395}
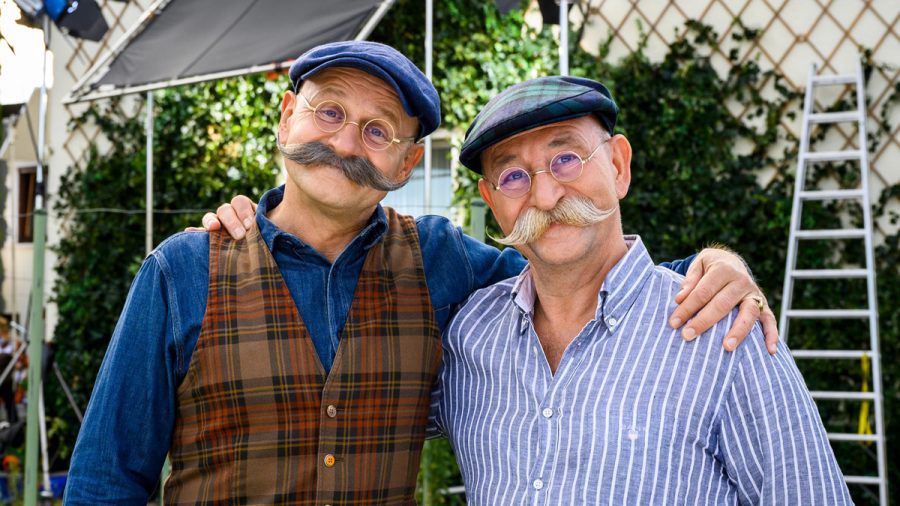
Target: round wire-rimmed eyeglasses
{"x":377,"y":134}
{"x":565,"y":167}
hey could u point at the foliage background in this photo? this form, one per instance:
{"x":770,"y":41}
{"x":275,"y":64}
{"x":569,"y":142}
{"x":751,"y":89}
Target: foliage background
{"x":212,"y":141}
{"x":695,"y":181}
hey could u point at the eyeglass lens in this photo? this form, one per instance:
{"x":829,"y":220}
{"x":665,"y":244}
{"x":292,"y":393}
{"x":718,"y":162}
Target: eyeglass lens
{"x":330,"y":117}
{"x":565,"y":167}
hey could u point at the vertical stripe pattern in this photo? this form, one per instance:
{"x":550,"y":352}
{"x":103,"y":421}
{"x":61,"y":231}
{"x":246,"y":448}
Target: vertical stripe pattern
{"x":258,"y":421}
{"x":634,"y":414}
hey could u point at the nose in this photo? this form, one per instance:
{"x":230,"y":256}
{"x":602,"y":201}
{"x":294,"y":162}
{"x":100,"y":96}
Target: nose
{"x":545,"y":190}
{"x":347,"y":141}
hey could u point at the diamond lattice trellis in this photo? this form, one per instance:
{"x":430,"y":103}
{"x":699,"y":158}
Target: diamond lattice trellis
{"x":79,"y":55}
{"x":795,"y":34}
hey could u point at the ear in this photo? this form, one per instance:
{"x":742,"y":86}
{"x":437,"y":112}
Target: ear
{"x":412,"y":158}
{"x":288,"y":103}
{"x":484,"y":188}
{"x":621,"y":159}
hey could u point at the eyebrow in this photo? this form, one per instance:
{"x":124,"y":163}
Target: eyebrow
{"x":561,"y":140}
{"x":504,"y":160}
{"x":379,"y":108}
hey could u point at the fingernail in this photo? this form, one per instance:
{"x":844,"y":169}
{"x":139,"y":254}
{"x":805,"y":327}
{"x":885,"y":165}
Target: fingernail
{"x":675,"y":322}
{"x":731,"y":344}
{"x":688,"y":333}
{"x":679,"y":293}
{"x":239,"y":234}
{"x":247,"y":223}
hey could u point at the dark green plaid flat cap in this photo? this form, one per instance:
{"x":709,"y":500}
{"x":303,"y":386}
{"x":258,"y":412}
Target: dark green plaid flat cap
{"x":532,"y":104}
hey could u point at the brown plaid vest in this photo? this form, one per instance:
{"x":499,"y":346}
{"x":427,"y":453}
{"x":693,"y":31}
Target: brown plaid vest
{"x":258,"y":422}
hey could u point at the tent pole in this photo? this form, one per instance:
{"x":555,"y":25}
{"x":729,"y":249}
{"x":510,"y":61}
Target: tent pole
{"x":563,"y":37}
{"x":374,"y":19}
{"x":429,"y":49}
{"x":148,"y":127}
{"x":36,"y":332}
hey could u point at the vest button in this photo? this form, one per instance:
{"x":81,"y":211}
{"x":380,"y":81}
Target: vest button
{"x":329,"y":460}
{"x":331,"y":411}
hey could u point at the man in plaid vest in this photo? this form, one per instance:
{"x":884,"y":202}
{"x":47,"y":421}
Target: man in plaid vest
{"x":293,"y":363}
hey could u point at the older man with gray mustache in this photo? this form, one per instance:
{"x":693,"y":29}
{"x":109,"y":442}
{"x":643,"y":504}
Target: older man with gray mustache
{"x":565,"y":384}
{"x":293,"y":362}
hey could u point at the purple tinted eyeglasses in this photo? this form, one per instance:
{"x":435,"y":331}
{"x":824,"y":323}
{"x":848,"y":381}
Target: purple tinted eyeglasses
{"x":565,"y":167}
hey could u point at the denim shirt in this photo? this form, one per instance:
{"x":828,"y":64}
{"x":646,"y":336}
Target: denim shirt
{"x":128,"y":425}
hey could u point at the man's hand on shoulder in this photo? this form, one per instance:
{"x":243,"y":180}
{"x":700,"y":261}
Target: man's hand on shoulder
{"x":716,"y":282}
{"x":237,"y":217}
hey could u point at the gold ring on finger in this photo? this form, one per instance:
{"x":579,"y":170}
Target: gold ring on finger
{"x":759,"y":301}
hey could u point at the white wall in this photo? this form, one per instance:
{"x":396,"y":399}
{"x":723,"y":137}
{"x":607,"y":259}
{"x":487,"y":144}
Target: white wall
{"x":17,"y":257}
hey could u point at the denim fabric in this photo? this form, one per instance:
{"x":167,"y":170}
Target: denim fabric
{"x":128,"y":424}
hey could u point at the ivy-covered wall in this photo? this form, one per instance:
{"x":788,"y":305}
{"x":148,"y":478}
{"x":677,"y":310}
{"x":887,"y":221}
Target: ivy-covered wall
{"x":695,"y":182}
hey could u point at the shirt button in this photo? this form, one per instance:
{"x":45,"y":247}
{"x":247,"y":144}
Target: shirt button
{"x":537,"y":484}
{"x":329,"y":460}
{"x":331,"y":411}
{"x":612,"y":322}
{"x":547,"y":412}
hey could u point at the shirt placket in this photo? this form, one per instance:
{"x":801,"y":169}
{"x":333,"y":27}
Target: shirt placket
{"x":546,"y":424}
{"x":550,"y":396}
{"x":332,"y":291}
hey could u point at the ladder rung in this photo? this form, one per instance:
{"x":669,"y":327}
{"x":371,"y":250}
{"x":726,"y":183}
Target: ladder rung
{"x":839,"y":354}
{"x":868,"y":480}
{"x":844,"y":436}
{"x":828,"y":313}
{"x":833,"y":79}
{"x":831,"y":194}
{"x":830,"y":156}
{"x":829,"y":273}
{"x":834,"y":117}
{"x":850,"y":396}
{"x":838,"y":233}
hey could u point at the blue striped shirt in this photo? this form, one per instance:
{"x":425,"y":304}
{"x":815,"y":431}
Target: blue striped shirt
{"x":634,"y":414}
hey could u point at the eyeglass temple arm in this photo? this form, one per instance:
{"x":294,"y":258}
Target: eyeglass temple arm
{"x":594,"y":152}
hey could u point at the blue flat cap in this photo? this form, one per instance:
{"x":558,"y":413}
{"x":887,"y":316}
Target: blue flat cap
{"x":532,"y":104}
{"x":415,"y":91}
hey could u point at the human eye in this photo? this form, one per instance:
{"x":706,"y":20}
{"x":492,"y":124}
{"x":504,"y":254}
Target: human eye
{"x":377,"y":131}
{"x":512,"y":177}
{"x":566,"y":158}
{"x":330,"y":112}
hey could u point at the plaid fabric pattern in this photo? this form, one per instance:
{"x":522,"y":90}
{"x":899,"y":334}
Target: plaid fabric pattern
{"x":258,"y":421}
{"x":532,"y":104}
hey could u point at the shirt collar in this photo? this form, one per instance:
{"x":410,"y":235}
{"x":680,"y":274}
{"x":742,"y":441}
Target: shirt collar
{"x":618,"y":292}
{"x":624,"y":282}
{"x":370,"y":234}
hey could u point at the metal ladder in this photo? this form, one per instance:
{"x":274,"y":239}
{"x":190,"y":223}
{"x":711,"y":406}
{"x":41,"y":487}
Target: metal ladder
{"x":801,"y":195}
